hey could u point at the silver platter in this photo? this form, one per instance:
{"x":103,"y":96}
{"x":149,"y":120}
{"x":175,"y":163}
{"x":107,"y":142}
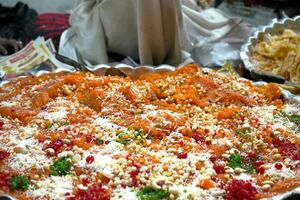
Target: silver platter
{"x":136,"y":71}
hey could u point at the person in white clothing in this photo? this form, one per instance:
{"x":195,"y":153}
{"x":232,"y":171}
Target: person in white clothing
{"x":150,"y":32}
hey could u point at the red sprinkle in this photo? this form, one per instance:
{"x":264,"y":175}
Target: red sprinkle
{"x":240,"y":189}
{"x":67,"y":194}
{"x":251,"y":155}
{"x":213,"y":159}
{"x":56,"y":145}
{"x":278,"y":166}
{"x":258,"y":163}
{"x":4,"y":178}
{"x":220,"y":169}
{"x":89,"y":138}
{"x":182,"y":155}
{"x":66,"y":130}
{"x":134,"y":174}
{"x":287,"y":149}
{"x":1,"y":124}
{"x":90,"y":159}
{"x":85,"y":181}
{"x":198,"y":138}
{"x":260,"y":170}
{"x":95,"y":191}
{"x":258,"y":167}
{"x":3,"y":155}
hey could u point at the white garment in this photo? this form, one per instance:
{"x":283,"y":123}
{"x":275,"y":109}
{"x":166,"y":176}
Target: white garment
{"x":151,"y":31}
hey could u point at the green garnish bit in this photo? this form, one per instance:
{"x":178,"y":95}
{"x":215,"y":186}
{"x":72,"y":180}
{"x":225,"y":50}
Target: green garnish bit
{"x":60,"y":167}
{"x":19,"y":183}
{"x":67,"y":123}
{"x":235,"y":161}
{"x":148,"y":193}
{"x":122,"y":138}
{"x":149,"y":137}
{"x":295,"y":119}
{"x":107,"y":98}
{"x":292,"y":118}
{"x":49,"y":126}
{"x":139,"y":133}
{"x":248,"y":167}
{"x":243,"y":132}
{"x":99,"y":141}
{"x":157,"y":125}
{"x":35,"y":187}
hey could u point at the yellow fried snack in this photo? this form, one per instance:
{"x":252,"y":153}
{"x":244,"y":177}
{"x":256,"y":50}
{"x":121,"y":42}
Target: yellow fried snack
{"x":279,"y":55}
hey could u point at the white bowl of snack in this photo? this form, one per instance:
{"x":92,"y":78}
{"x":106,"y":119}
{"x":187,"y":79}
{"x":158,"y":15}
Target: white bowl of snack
{"x":275,"y":49}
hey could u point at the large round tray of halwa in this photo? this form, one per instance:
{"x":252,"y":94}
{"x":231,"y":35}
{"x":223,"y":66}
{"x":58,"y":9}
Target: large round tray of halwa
{"x":180,"y":134}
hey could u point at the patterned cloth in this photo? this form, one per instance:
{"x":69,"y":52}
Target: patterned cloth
{"x":48,"y":25}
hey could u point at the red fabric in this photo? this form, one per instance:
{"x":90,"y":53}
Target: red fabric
{"x":49,"y":25}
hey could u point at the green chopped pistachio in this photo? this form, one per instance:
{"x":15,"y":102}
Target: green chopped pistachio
{"x":99,"y":141}
{"x":148,"y":193}
{"x":61,"y":167}
{"x":19,"y":183}
{"x":235,"y":161}
{"x":243,"y":132}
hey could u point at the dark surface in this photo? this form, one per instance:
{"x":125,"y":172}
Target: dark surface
{"x":13,"y":21}
{"x":293,"y":197}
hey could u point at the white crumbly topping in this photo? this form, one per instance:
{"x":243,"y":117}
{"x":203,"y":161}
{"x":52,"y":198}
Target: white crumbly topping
{"x":244,"y":177}
{"x":121,"y":194}
{"x":292,"y":109}
{"x":8,"y":103}
{"x":222,"y":141}
{"x":194,"y":192}
{"x":102,"y":163}
{"x":27,"y":132}
{"x":53,"y":187}
{"x":22,"y":162}
{"x":264,"y":113}
{"x":113,"y":148}
{"x":30,"y":155}
{"x":285,"y":172}
{"x":105,"y":123}
{"x":60,"y":114}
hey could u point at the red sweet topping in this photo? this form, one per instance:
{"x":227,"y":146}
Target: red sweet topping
{"x":278,"y":166}
{"x":213,"y":158}
{"x":240,"y":189}
{"x":133,"y":175}
{"x":1,"y":124}
{"x":67,"y":194}
{"x":287,"y":149}
{"x":258,"y":167}
{"x":90,"y":159}
{"x":89,"y":138}
{"x":3,"y":155}
{"x":198,"y":138}
{"x":258,"y":163}
{"x":94,"y":192}
{"x":251,"y":155}
{"x":182,"y":155}
{"x":55,"y":145}
{"x":66,"y":130}
{"x":260,"y":170}
{"x":85,"y":181}
{"x":219,"y":169}
{"x":4,"y":178}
